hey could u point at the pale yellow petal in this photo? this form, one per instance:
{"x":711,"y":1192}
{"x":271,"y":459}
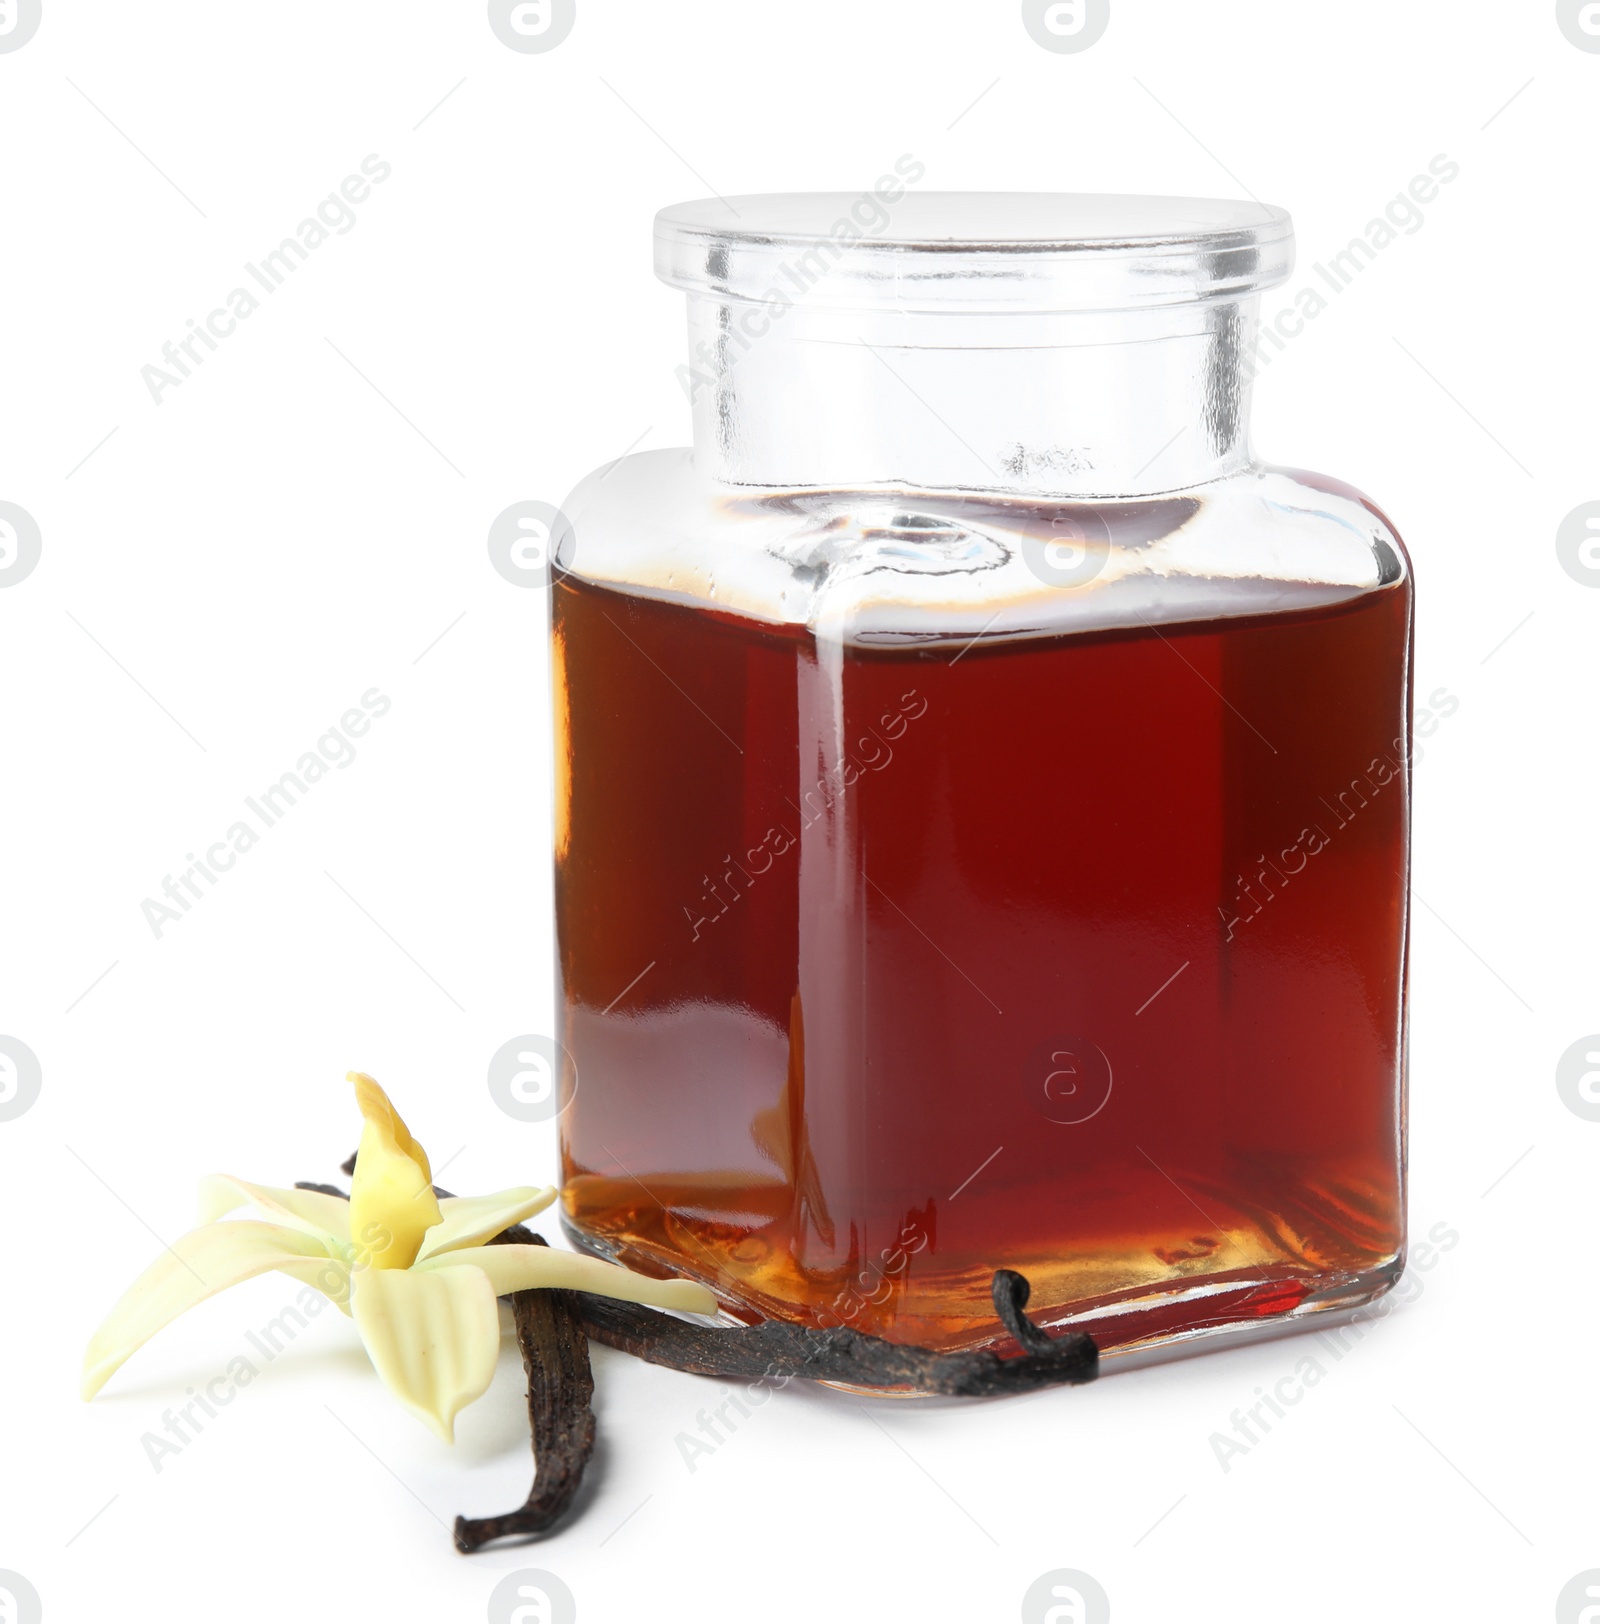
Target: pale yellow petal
{"x":470,"y":1220}
{"x":197,"y":1266}
{"x":434,"y":1336}
{"x":524,"y":1268}
{"x":392,"y":1204}
{"x":313,"y":1211}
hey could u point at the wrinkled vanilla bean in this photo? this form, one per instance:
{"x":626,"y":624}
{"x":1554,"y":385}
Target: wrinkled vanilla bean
{"x":776,"y":1351}
{"x":554,"y":1327}
{"x":555,"y":1354}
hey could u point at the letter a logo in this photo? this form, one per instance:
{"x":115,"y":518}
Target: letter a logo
{"x":1069,"y":1606}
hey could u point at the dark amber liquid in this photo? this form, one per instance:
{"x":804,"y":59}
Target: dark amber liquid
{"x":1080,"y":956}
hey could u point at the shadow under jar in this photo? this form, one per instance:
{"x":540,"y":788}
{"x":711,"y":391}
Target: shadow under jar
{"x":982,"y":790}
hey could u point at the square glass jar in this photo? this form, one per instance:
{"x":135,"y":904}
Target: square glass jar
{"x":982,"y":789}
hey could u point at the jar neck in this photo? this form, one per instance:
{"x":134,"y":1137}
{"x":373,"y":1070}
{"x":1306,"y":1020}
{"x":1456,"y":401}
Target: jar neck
{"x":1119,"y":403}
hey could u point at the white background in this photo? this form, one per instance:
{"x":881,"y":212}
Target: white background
{"x":232,"y":569}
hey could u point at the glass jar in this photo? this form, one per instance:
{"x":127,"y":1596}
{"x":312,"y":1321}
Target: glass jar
{"x":982,"y":789}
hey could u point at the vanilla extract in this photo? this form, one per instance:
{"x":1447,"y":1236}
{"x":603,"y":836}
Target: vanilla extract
{"x":982,"y":814}
{"x":720,"y":1128}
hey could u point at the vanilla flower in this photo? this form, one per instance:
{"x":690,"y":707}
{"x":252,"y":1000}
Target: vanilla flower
{"x":413,"y":1270}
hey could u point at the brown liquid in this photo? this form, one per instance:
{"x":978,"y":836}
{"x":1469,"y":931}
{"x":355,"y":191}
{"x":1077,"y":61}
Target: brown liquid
{"x":1094,"y":969}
